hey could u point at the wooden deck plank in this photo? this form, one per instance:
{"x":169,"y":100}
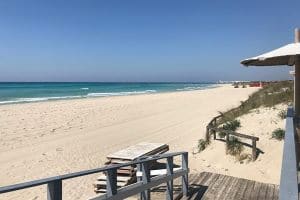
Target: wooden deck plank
{"x":276,"y":193}
{"x":212,"y":179}
{"x":207,"y":177}
{"x":249,"y":189}
{"x":195,"y":179}
{"x":138,"y":150}
{"x":208,"y":186}
{"x":242,"y":186}
{"x":222,"y":190}
{"x":201,"y":178}
{"x":263,"y":191}
{"x":270,"y":194}
{"x":255,"y":191}
{"x":214,"y":188}
{"x":230,"y":193}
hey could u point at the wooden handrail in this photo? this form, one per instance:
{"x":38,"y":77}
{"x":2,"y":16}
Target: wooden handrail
{"x":235,"y":133}
{"x":288,"y":189}
{"x":212,"y":127}
{"x":54,"y":184}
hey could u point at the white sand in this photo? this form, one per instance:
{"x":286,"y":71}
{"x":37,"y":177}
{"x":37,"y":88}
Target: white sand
{"x":260,"y":123}
{"x":50,"y":138}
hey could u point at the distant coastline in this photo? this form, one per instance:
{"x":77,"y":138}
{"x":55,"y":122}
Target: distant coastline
{"x":26,"y":92}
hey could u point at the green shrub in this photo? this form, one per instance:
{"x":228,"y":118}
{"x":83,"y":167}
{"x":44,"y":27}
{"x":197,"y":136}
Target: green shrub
{"x":234,"y":146}
{"x":244,"y":157}
{"x":282,"y":114}
{"x":202,"y":144}
{"x":232,"y":125}
{"x":222,"y":134}
{"x":278,"y":134}
{"x":269,"y":96}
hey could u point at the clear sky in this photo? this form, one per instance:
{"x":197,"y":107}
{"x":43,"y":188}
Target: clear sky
{"x":157,"y":40}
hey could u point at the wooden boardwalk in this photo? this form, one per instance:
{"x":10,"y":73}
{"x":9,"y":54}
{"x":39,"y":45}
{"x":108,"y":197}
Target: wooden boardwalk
{"x":216,"y":186}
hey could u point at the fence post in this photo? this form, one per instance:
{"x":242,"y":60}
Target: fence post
{"x":227,"y":141}
{"x":169,"y":192}
{"x":144,"y":168}
{"x":111,"y":182}
{"x":254,"y":151}
{"x":185,"y":181}
{"x":227,"y":137}
{"x":214,"y":126}
{"x":214,"y":133}
{"x":54,"y":190}
{"x":207,"y":134}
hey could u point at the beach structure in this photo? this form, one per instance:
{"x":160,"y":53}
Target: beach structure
{"x":212,"y":129}
{"x":175,"y":181}
{"x":127,"y":175}
{"x":287,"y":55}
{"x":171,"y":183}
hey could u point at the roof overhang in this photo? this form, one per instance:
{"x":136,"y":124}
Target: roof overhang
{"x":285,"y":55}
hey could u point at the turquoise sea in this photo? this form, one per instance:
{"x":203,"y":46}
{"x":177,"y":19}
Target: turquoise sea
{"x":32,"y":92}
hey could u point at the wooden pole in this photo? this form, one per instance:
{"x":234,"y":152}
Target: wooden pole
{"x":169,"y":191}
{"x":185,"y":178}
{"x":54,"y":190}
{"x":227,"y":141}
{"x":254,"y":151}
{"x":297,"y":35}
{"x":297,"y":78}
{"x":207,"y":134}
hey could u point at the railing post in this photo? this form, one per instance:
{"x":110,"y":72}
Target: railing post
{"x":144,"y":168}
{"x":207,"y":134}
{"x":227,"y":141}
{"x":111,"y":182}
{"x":185,"y":181}
{"x":54,"y":190}
{"x":254,"y":152}
{"x":214,"y":131}
{"x":169,"y":192}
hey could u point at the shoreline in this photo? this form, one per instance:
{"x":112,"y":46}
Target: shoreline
{"x":45,"y":139}
{"x":69,"y":98}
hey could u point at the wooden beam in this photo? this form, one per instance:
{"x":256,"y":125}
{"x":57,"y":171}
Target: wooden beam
{"x":138,"y":187}
{"x":156,"y":172}
{"x":235,"y":133}
{"x":254,"y":150}
{"x":185,"y":181}
{"x":145,"y":195}
{"x":289,"y":169}
{"x":111,"y":182}
{"x":54,"y":190}
{"x":169,"y":191}
{"x":297,"y":35}
{"x":297,"y":78}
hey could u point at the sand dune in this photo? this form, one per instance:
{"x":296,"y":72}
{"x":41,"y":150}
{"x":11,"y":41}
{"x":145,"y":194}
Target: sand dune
{"x":50,"y":138}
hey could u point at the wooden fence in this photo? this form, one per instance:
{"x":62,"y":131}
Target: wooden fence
{"x":143,"y":186}
{"x":212,"y":128}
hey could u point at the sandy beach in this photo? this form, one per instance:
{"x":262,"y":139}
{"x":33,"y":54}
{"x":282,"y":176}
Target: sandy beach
{"x":51,"y":138}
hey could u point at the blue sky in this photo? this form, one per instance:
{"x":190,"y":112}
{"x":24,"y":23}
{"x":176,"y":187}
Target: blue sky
{"x":157,"y":40}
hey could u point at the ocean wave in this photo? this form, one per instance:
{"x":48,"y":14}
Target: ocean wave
{"x":87,"y":93}
{"x":38,"y":99}
{"x":101,"y":94}
{"x":190,"y":88}
{"x":106,"y":94}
